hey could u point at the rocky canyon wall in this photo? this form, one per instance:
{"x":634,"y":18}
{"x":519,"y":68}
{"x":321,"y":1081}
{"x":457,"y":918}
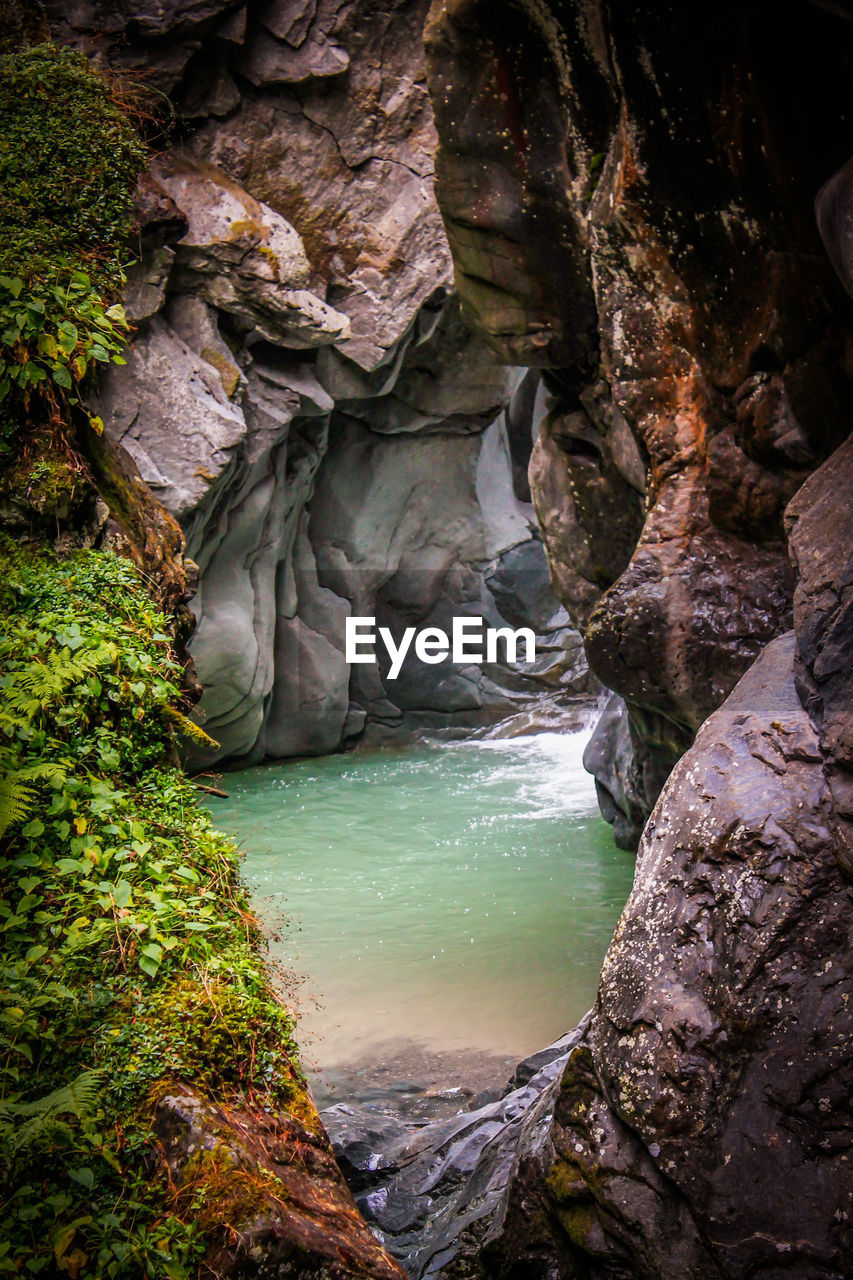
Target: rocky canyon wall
{"x":629,"y":208}
{"x":301,"y":392}
{"x":698,"y":1123}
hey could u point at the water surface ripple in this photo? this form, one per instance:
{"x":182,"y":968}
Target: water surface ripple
{"x":455,"y":897}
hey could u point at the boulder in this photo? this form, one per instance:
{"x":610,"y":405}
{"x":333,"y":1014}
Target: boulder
{"x":274,"y":1199}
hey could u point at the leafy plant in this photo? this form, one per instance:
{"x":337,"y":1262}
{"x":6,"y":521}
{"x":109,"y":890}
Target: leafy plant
{"x":130,"y":956}
{"x":69,"y":157}
{"x":57,"y":332}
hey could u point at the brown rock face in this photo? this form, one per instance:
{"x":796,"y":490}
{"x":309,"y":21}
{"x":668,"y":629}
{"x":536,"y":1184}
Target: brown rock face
{"x":272,"y":1196}
{"x":630,"y":206}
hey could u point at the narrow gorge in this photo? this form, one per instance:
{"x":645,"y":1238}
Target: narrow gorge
{"x":534,"y":314}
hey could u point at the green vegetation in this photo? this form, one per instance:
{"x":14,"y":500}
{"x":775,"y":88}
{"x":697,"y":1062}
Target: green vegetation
{"x":69,"y":157}
{"x":130,"y":955}
{"x":54,"y":333}
{"x":130,"y":959}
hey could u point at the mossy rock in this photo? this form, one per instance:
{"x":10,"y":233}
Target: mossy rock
{"x":69,"y":158}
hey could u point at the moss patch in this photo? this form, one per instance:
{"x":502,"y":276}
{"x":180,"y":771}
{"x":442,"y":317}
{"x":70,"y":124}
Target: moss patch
{"x":68,"y":162}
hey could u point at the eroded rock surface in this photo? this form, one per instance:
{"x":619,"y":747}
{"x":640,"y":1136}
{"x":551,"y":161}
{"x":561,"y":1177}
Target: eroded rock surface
{"x":302,"y":394}
{"x":630,"y":208}
{"x":700,"y":1123}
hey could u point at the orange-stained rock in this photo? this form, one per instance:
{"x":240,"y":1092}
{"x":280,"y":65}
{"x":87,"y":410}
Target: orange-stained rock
{"x":270,"y":1193}
{"x":630,"y":206}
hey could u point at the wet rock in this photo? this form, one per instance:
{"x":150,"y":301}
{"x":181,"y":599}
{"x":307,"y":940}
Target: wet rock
{"x":436,"y":1193}
{"x":145,"y":290}
{"x":716,"y":1051}
{"x":162,"y":38}
{"x":820,"y":525}
{"x":590,"y":196}
{"x":270,"y":61}
{"x":699,"y":1121}
{"x":274,"y":1200}
{"x":611,"y":759}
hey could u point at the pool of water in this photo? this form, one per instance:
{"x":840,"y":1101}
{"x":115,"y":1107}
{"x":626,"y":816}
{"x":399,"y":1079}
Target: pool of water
{"x":444,"y":903}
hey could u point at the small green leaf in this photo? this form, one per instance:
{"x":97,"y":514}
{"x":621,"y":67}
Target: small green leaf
{"x":84,"y":1177}
{"x":149,"y":966}
{"x":34,"y":828}
{"x":68,"y":336}
{"x":122,"y":893}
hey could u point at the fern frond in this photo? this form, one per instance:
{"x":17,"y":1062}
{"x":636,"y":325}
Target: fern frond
{"x":53,"y":771}
{"x":78,"y":1099}
{"x":37,"y":685}
{"x":16,"y":800}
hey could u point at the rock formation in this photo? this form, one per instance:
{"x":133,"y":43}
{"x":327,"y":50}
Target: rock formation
{"x":629,"y":212}
{"x":699,"y":1124}
{"x":629,"y":208}
{"x":301,"y":393}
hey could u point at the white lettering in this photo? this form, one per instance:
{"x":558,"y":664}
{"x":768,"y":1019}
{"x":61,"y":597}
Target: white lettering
{"x":354,"y":640}
{"x":395,"y":653}
{"x":460,"y":627}
{"x":432,"y":645}
{"x":511,"y":638}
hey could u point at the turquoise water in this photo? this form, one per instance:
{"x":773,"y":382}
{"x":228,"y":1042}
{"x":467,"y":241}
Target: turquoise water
{"x":456,"y":897}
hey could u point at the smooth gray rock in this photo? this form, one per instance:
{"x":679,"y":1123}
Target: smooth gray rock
{"x":169,"y":409}
{"x":438,"y":1193}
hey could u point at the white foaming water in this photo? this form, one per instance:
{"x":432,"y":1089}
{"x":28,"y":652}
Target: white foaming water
{"x":555,"y":782}
{"x":458,"y":896}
